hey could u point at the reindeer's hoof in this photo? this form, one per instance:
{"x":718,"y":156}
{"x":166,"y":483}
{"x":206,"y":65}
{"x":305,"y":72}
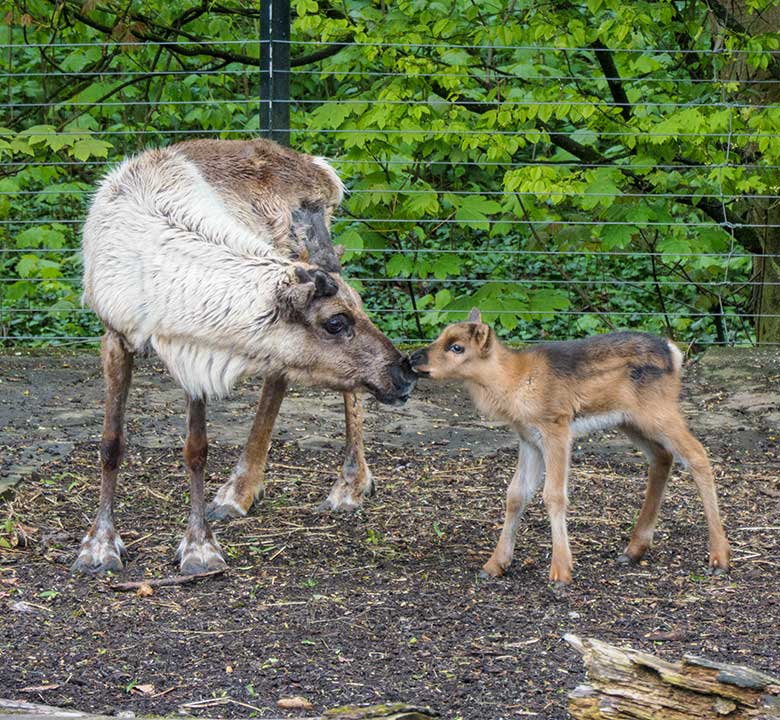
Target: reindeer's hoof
{"x":346,"y":496}
{"x":487,"y":576}
{"x":199,"y":556}
{"x":100,"y":553}
{"x":224,"y":510}
{"x":369,"y":489}
{"x":344,"y":505}
{"x":491,"y":570}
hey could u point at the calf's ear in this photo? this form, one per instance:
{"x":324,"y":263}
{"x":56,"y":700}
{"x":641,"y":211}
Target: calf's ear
{"x":475,"y":316}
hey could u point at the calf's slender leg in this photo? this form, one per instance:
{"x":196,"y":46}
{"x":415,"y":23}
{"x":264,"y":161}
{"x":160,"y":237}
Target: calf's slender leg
{"x":356,"y":480}
{"x":102,"y":548}
{"x":685,"y":446}
{"x":556,"y":449}
{"x":661,"y":461}
{"x":247,"y":481}
{"x":199,"y":550}
{"x":525,"y":482}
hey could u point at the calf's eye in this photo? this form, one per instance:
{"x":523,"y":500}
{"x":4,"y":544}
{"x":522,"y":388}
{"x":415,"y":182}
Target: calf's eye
{"x":336,"y":324}
{"x":457,"y":349}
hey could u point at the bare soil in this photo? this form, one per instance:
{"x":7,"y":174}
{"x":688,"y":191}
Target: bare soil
{"x":385,"y":604}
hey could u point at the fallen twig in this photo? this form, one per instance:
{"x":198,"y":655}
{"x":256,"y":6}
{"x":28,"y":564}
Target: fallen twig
{"x":162,"y":582}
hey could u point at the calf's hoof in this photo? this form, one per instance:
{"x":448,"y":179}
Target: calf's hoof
{"x":626,"y":559}
{"x":492,"y":569}
{"x":100,"y":553}
{"x":717,"y":570}
{"x":560,"y":576}
{"x":559,"y":589}
{"x":346,"y":496}
{"x":199,"y":555}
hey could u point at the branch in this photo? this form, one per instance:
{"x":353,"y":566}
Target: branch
{"x":565,"y":142}
{"x":318,"y":55}
{"x":731,"y":23}
{"x":608,"y":67}
{"x":202,"y":48}
{"x":164,"y":582}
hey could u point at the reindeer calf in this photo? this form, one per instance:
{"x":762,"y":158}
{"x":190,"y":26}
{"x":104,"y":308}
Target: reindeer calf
{"x":554,"y":391}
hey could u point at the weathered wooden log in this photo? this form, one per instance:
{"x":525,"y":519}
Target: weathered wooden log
{"x":626,"y":683}
{"x":18,"y":710}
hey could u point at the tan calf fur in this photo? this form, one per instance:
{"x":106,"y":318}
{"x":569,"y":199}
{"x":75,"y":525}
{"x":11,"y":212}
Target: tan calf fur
{"x":555,"y":391}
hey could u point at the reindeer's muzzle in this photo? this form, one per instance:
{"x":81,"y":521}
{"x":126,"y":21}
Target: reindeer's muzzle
{"x":403,"y":379}
{"x":417,"y":359}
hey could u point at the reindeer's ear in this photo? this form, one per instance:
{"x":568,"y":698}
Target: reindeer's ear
{"x":308,"y":284}
{"x":475,"y":316}
{"x":339,"y":250}
{"x":483,"y":336}
{"x":324,"y":285}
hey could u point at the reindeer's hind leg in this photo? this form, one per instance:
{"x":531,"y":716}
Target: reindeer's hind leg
{"x":356,"y":480}
{"x":661,"y":461}
{"x":676,"y":436}
{"x":199,"y":550}
{"x":247,"y":481}
{"x":102,"y":548}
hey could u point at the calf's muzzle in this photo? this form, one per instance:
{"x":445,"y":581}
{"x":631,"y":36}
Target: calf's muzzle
{"x":417,"y":359}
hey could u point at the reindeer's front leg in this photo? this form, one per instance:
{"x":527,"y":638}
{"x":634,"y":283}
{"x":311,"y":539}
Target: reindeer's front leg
{"x":526,"y":481}
{"x":356,"y":480}
{"x":247,"y":481}
{"x":199,"y":550}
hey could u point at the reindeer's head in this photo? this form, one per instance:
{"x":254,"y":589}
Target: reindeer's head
{"x":328,"y":340}
{"x":462,"y":351}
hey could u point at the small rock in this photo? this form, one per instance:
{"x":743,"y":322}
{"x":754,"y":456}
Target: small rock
{"x":23,"y":607}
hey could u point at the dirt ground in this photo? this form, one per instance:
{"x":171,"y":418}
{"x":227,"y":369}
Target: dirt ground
{"x":385,"y":604}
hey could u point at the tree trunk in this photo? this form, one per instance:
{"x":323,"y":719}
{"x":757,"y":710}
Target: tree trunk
{"x":625,"y":683}
{"x":767,"y":267}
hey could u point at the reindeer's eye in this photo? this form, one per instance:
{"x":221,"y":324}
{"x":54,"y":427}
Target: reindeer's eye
{"x":336,"y":324}
{"x":457,"y":349}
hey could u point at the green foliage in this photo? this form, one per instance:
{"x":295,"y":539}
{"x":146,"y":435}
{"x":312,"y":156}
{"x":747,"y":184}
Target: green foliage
{"x":488,"y":159}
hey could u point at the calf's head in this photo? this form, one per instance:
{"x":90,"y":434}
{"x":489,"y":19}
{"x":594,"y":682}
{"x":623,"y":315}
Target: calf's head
{"x":328,"y":340}
{"x":462,"y":351}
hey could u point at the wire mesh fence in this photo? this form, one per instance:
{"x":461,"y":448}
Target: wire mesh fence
{"x":565,"y":185}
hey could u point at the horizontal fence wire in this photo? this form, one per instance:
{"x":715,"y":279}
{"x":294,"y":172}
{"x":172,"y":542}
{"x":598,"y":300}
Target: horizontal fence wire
{"x":705,"y":294}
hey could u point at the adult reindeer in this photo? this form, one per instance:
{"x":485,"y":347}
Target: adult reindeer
{"x":179,"y":258}
{"x":288,"y":197}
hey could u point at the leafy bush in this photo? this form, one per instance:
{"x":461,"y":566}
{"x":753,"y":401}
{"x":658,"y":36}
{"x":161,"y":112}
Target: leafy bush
{"x":490,"y":160}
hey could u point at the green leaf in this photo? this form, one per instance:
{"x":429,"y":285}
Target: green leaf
{"x":90,"y":147}
{"x":400,"y":265}
{"x":447,"y":264}
{"x":27,"y":265}
{"x":473,"y":210}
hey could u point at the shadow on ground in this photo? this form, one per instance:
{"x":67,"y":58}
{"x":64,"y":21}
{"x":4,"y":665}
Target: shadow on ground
{"x":385,"y":604}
